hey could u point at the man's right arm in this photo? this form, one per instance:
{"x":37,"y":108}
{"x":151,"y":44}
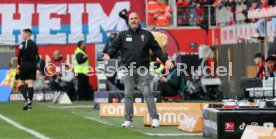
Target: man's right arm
{"x":106,"y":47}
{"x":20,"y":54}
{"x":115,"y":45}
{"x":81,"y":58}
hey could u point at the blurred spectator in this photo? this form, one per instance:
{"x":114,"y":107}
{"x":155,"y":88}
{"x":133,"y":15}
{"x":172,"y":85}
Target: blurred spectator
{"x":218,"y":4}
{"x":40,"y":64}
{"x":157,"y":69}
{"x":260,"y":63}
{"x":112,"y":36}
{"x":238,"y":7}
{"x":164,"y":14}
{"x":152,"y":12}
{"x":171,"y":85}
{"x":82,"y":69}
{"x":182,"y":3}
{"x":272,"y":48}
{"x":66,"y":81}
{"x":199,"y":13}
{"x":251,"y":5}
{"x":182,"y":12}
{"x":270,"y":61}
{"x":260,"y":23}
{"x":264,"y":4}
{"x":229,"y":4}
{"x":57,"y":61}
{"x":196,"y":13}
{"x":40,"y":81}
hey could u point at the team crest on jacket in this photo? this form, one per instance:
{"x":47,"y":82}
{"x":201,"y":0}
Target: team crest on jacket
{"x":142,"y":37}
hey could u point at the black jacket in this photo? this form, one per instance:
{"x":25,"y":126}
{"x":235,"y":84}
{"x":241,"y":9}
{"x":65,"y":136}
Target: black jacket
{"x":135,"y":46}
{"x":174,"y":81}
{"x":81,"y":58}
{"x":28,"y":52}
{"x":107,"y":47}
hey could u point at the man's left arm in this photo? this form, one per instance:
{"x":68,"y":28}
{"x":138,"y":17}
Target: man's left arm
{"x":155,"y":48}
{"x":19,"y":57}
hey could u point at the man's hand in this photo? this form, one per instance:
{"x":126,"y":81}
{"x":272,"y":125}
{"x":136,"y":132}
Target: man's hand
{"x":169,"y":64}
{"x":86,"y":56}
{"x":163,"y":79}
{"x":58,"y":77}
{"x":106,"y":57}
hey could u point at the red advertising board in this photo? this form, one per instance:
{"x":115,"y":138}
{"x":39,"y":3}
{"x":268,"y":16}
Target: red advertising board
{"x":184,"y":37}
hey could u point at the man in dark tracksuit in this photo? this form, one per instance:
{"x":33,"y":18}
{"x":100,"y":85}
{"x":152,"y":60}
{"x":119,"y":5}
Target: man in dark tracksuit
{"x":135,"y":45}
{"x":27,"y":58}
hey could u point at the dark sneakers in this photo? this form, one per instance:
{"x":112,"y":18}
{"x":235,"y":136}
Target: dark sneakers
{"x":30,"y":106}
{"x":27,"y":105}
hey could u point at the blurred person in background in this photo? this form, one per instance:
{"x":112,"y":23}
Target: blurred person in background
{"x":164,"y":14}
{"x":39,"y":81}
{"x":270,"y":61}
{"x":199,"y":13}
{"x":218,"y":4}
{"x":66,"y":81}
{"x":230,"y":4}
{"x":171,"y":85}
{"x":260,"y":22}
{"x":182,"y":11}
{"x":40,"y":65}
{"x":112,"y":36}
{"x":183,"y":3}
{"x":251,"y":5}
{"x":260,"y":63}
{"x":152,"y":12}
{"x":157,"y":70}
{"x":81,"y":68}
{"x":58,"y":62}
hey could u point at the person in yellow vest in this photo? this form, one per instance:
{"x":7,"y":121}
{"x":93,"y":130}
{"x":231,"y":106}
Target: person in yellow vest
{"x":81,"y":68}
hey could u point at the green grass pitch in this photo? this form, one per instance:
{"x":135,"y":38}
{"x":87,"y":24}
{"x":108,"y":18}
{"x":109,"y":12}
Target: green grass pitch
{"x":74,"y":123}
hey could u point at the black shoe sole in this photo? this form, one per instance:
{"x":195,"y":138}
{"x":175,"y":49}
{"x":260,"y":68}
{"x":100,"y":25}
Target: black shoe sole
{"x":24,"y":109}
{"x":27,"y":107}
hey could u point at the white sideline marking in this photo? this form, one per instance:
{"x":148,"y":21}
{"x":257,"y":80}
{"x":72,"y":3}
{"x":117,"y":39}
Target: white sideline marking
{"x":90,"y":118}
{"x":153,"y":134}
{"x":173,"y":134}
{"x":69,"y":107}
{"x":13,"y":123}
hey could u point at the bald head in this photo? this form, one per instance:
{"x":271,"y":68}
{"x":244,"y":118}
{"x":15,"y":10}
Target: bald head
{"x":134,"y":20}
{"x":56,"y":55}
